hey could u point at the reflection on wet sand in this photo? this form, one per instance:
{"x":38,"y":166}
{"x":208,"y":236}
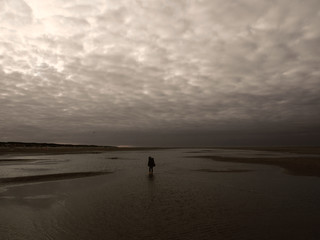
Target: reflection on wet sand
{"x":187,"y":198}
{"x":301,"y":166}
{"x":51,"y":177}
{"x":224,"y":171}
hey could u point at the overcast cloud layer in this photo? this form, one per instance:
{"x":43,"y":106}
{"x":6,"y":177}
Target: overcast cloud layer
{"x":157,"y":72}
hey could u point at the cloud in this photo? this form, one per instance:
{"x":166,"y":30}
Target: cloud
{"x":156,"y":66}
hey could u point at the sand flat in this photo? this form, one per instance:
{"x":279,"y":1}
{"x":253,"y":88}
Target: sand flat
{"x":188,"y":197}
{"x":51,"y":177}
{"x":302,"y":166}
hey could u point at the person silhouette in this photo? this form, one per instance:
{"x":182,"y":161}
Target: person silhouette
{"x":151,"y":164}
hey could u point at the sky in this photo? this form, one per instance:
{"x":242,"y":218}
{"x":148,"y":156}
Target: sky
{"x":160,"y":73}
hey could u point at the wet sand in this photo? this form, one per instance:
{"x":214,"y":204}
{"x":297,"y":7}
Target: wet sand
{"x":300,"y":166}
{"x":224,"y":171}
{"x":50,"y":177}
{"x":111,"y":196}
{"x":289,"y":149}
{"x":304,"y":162}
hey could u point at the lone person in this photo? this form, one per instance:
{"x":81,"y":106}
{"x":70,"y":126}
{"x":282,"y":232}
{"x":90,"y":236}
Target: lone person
{"x":151,"y":164}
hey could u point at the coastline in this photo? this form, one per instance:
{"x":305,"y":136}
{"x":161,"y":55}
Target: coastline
{"x":308,"y":165}
{"x":52,"y":150}
{"x":68,"y":150}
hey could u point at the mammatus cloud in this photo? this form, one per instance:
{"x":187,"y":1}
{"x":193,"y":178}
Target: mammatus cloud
{"x":125,"y":72}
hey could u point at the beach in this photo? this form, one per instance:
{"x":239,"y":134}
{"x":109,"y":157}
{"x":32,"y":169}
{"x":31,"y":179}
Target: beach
{"x":205,"y":193}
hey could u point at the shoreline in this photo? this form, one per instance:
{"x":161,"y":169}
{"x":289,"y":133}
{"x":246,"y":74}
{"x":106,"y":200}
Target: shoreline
{"x":51,"y":150}
{"x":299,"y":166}
{"x":69,"y":150}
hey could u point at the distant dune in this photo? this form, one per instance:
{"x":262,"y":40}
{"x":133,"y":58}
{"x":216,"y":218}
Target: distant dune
{"x":32,"y":144}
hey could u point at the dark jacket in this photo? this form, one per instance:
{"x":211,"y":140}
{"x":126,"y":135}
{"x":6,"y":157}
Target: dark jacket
{"x":151,"y":162}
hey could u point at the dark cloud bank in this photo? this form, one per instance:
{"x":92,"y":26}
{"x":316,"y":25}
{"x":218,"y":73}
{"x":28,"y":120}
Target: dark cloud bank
{"x":181,"y":73}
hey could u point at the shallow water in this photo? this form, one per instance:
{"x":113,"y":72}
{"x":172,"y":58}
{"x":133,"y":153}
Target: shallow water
{"x":187,"y":197}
